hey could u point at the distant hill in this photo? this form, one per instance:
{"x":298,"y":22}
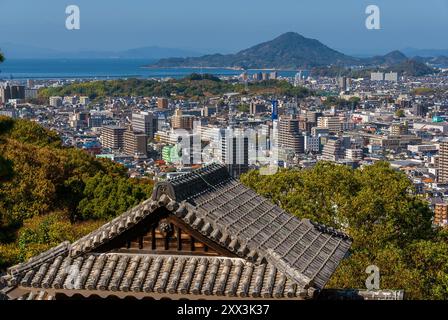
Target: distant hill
{"x":19,"y":51}
{"x":408,"y":67}
{"x":412,"y":52}
{"x":411,"y":67}
{"x":292,"y":51}
{"x":288,"y":51}
{"x":389,"y":59}
{"x":436,"y":61}
{"x":157,"y":53}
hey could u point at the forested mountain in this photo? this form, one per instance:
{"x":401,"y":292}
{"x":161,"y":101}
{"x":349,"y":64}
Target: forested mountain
{"x":293,"y":51}
{"x":288,"y":51}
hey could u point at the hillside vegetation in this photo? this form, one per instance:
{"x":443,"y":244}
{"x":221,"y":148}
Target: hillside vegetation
{"x":408,"y":67}
{"x":193,"y":87}
{"x":49,"y":193}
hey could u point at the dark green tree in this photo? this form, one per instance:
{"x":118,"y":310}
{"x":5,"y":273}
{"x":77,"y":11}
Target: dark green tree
{"x":50,"y":193}
{"x":400,"y":113}
{"x":391,"y":227}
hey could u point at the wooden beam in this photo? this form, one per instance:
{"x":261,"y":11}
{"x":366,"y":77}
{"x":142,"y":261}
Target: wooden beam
{"x":140,"y":242}
{"x":167,"y":241}
{"x":165,"y":252}
{"x":153,"y":238}
{"x":179,"y":239}
{"x":192,"y":243}
{"x":143,"y":227}
{"x":200,"y":237}
{"x":146,"y":228}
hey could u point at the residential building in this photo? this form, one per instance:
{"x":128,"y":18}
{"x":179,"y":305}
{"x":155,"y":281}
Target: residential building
{"x":135,"y":143}
{"x":235,"y":152}
{"x":84,"y":100}
{"x":332,"y":123}
{"x":289,"y":136}
{"x":391,"y":76}
{"x":79,"y":120}
{"x":162,"y":103}
{"x":55,"y":102}
{"x":441,"y":214}
{"x":112,"y":137}
{"x":377,"y":76}
{"x":181,"y":121}
{"x":312,"y":144}
{"x":31,"y":93}
{"x":420,"y":110}
{"x":71,"y":100}
{"x":333,"y":150}
{"x":145,"y":122}
{"x":399,"y":129}
{"x":443,"y":161}
{"x":11,"y":92}
{"x":257,"y":107}
{"x":354,"y":154}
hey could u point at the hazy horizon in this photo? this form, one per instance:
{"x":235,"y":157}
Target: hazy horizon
{"x":212,"y":27}
{"x":212,"y":51}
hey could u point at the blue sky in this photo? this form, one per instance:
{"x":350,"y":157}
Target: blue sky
{"x":224,"y":26}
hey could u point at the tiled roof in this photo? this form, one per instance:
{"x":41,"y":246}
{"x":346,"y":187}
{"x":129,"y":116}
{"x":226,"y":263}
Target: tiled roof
{"x":36,"y":295}
{"x":254,"y":228}
{"x":303,"y":254}
{"x":143,"y":274}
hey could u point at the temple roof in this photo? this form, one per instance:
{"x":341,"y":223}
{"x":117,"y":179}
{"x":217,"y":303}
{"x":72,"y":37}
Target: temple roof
{"x":274,"y":254}
{"x":107,"y":274}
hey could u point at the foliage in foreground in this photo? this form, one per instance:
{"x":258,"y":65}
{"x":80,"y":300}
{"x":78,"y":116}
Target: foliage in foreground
{"x":390,"y":226}
{"x":49,"y":193}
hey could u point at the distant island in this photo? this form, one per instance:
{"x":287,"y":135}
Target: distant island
{"x":292,"y":51}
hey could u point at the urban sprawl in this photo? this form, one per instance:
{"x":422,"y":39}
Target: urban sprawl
{"x":353,"y":122}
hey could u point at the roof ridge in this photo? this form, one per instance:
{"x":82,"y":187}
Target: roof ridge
{"x":166,"y":274}
{"x":192,"y":183}
{"x":113,"y":228}
{"x":43,"y":257}
{"x":329,"y":230}
{"x":281,"y":264}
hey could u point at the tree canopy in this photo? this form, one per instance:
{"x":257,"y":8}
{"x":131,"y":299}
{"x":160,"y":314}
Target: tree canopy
{"x":193,"y":87}
{"x":400,"y":113}
{"x":48,"y":186}
{"x":391,"y":227}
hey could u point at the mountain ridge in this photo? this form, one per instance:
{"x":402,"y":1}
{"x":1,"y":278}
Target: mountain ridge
{"x":20,"y":51}
{"x":290,"y":50}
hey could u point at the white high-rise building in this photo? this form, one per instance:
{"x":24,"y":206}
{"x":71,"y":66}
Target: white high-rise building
{"x":377,"y":76}
{"x":391,"y":76}
{"x":144,"y":122}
